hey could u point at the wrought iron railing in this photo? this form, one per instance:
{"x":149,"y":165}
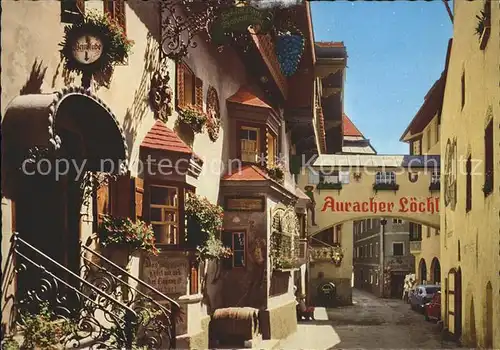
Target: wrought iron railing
{"x":156,"y":321}
{"x":99,"y":301}
{"x":415,"y":246}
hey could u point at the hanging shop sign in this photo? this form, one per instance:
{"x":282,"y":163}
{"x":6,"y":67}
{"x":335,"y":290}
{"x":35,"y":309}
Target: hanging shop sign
{"x":238,"y":20}
{"x":405,"y":205}
{"x":94,"y":45}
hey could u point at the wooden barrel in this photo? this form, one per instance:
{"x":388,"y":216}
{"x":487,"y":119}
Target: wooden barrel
{"x":236,"y":321}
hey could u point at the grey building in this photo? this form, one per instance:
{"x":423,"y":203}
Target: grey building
{"x":381,"y":256}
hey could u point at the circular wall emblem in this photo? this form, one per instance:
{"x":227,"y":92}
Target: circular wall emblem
{"x":87,"y":49}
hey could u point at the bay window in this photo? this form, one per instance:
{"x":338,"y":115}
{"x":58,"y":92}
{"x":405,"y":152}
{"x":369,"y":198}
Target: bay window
{"x":164,"y":214}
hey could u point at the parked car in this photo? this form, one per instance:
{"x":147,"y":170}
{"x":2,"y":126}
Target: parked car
{"x":421,"y":295}
{"x":432,"y":310}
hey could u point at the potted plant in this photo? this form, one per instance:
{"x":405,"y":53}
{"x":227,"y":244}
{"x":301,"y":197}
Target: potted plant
{"x":194,"y":117}
{"x":203,"y":219}
{"x":277,"y":173}
{"x":122,"y":236}
{"x":213,"y":249}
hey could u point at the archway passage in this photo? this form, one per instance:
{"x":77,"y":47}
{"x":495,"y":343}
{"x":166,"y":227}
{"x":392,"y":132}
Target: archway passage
{"x":488,"y":340}
{"x":422,"y":270}
{"x":435,"y":271}
{"x":74,"y":132}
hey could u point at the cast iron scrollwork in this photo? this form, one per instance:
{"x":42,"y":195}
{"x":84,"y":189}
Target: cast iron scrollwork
{"x":97,"y":319}
{"x":100,"y":303}
{"x":156,"y":322}
{"x":160,"y":94}
{"x":179,"y":29}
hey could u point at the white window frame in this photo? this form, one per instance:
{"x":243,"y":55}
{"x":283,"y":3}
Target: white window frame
{"x":385,"y":177}
{"x":435,"y":176}
{"x":313,"y":177}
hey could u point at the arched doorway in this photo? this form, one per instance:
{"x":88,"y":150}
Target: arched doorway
{"x":422,"y":270}
{"x":435,"y":271}
{"x":72,"y":132}
{"x":454,"y":302}
{"x":488,"y":340}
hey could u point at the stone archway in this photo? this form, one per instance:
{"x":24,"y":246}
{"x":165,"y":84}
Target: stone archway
{"x":488,"y":319}
{"x":435,"y":276}
{"x":422,"y":271}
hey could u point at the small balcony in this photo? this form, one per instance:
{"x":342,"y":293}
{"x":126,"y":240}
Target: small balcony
{"x":415,"y":247}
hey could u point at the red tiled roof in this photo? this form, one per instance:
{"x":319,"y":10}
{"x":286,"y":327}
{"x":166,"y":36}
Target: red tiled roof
{"x":162,"y":138}
{"x":246,"y":173}
{"x":349,"y":128}
{"x":329,"y":43}
{"x":246,"y":97}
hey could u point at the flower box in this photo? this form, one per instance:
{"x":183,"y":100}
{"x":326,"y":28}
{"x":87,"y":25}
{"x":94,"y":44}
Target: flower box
{"x":329,"y":186}
{"x":193,"y":117}
{"x":386,"y":187}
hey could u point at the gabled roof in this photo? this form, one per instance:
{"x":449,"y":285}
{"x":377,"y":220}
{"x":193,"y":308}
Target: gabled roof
{"x":160,"y":137}
{"x":246,"y":96}
{"x":349,"y":128}
{"x":249,"y":172}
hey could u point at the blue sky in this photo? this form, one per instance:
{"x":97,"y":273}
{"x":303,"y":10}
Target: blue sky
{"x":396,"y":52}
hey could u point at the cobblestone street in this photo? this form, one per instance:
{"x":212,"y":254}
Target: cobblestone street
{"x":368,"y":324}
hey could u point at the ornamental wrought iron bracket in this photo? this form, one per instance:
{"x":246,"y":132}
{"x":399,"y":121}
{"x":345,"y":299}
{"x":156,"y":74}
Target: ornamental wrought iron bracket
{"x":182,"y":20}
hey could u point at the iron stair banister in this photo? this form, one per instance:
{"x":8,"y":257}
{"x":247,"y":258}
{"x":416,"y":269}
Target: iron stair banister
{"x":97,"y":300}
{"x":171,"y":314}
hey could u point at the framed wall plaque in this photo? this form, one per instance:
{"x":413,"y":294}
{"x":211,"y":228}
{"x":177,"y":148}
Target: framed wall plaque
{"x":236,"y":203}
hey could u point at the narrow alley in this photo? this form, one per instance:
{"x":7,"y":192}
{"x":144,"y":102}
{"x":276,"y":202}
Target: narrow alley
{"x":370,"y":323}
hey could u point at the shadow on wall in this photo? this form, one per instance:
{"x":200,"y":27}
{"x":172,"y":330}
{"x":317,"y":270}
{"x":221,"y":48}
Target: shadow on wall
{"x":140,"y":104}
{"x":35,"y":80}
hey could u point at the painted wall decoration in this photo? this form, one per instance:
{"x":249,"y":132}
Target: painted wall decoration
{"x":450,"y":174}
{"x":412,"y":177}
{"x":169,"y":275}
{"x":311,"y":206}
{"x":213,"y":111}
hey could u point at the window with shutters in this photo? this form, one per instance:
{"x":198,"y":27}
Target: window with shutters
{"x":488,"y":159}
{"x":115,"y":9}
{"x":468,"y":184}
{"x":236,"y":241}
{"x":189,"y":88}
{"x":416,"y":148}
{"x":72,"y":11}
{"x":398,"y":248}
{"x":271,"y":149}
{"x":164,"y":213}
{"x":249,"y":144}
